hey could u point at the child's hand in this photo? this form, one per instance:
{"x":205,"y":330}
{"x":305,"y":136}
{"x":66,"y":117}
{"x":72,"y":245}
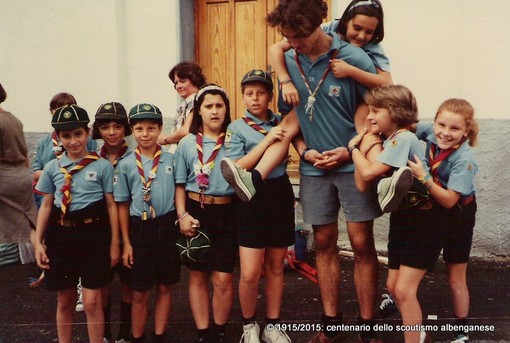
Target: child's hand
{"x":189,"y":226}
{"x":115,"y":255}
{"x":127,"y":255}
{"x":340,"y":68}
{"x":356,"y":140}
{"x":40,"y":256}
{"x":277,"y":133}
{"x":368,"y":142}
{"x":417,"y":167}
{"x":290,"y":94}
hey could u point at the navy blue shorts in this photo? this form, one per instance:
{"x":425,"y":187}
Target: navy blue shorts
{"x":268,"y":219}
{"x":79,"y":250}
{"x":218,"y":222}
{"x":460,"y":233}
{"x":416,"y":237}
{"x":155,"y":255}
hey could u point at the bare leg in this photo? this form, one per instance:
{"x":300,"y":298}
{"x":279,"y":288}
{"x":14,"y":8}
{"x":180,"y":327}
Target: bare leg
{"x":328,"y":266}
{"x":251,"y":268}
{"x":65,"y":314}
{"x":361,"y":237}
{"x":199,"y":298}
{"x":139,"y":312}
{"x":458,"y":289}
{"x":163,"y":308}
{"x":406,"y":289}
{"x":223,"y":296}
{"x":93,"y":306}
{"x":273,"y":263}
{"x":278,"y":151}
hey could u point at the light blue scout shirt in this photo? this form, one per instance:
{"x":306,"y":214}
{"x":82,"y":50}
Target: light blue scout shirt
{"x":89,"y":185}
{"x":374,"y":50}
{"x":45,"y":152}
{"x":127,"y":185}
{"x":185,"y":160}
{"x":333,"y":122}
{"x":400,"y":148}
{"x":242,"y":138}
{"x":457,"y":171}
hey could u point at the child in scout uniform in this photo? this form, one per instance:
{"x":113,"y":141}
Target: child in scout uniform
{"x":451,"y":183}
{"x":204,"y":202}
{"x":111,"y":125}
{"x":265,"y":225}
{"x":144,"y":189}
{"x":77,"y":234}
{"x":416,"y":235}
{"x":49,"y":147}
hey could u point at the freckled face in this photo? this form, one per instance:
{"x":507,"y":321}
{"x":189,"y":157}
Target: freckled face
{"x":449,"y":128}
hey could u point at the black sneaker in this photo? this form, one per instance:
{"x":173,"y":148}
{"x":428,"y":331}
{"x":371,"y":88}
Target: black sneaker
{"x":387,"y":308}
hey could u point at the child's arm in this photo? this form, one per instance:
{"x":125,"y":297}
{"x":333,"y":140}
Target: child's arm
{"x":178,"y":134}
{"x":277,"y":61}
{"x":367,"y":170}
{"x":445,"y":197}
{"x":113,"y":214}
{"x":360,"y":117}
{"x":250,"y":160}
{"x":43,"y":217}
{"x":127,"y":254}
{"x":187,"y":224}
{"x":341,"y":69}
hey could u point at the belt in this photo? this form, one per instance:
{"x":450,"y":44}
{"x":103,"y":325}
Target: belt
{"x":467,"y":200}
{"x":209,"y":199}
{"x":73,"y":223}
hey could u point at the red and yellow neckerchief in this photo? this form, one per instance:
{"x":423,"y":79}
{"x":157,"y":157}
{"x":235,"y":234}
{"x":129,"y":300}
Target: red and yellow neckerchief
{"x":146,"y":183}
{"x":68,"y":178}
{"x":205,"y":169}
{"x":437,"y":157}
{"x":104,"y":154}
{"x":257,"y":127}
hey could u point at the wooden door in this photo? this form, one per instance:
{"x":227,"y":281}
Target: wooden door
{"x":231,"y":37}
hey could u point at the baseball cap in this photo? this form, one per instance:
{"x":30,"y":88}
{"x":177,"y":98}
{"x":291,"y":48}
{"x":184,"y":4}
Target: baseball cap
{"x":257,"y":75}
{"x":145,"y":111}
{"x":69,"y":117}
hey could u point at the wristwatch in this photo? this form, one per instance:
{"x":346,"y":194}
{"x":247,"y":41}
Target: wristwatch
{"x":352,"y":148}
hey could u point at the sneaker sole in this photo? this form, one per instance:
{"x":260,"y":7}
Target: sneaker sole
{"x":230,"y":174}
{"x":400,"y":184}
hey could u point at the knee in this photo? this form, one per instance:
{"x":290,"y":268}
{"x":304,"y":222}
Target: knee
{"x":92,"y":304}
{"x":250,"y":280}
{"x":325,"y":243}
{"x":140,"y":297}
{"x":402,"y":293}
{"x":223,"y":286}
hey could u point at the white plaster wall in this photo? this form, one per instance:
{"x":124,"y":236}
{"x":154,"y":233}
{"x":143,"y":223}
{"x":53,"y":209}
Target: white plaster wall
{"x":96,"y":50}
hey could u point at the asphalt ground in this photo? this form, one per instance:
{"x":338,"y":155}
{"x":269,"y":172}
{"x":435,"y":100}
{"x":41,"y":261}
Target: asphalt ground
{"x":28,"y":315}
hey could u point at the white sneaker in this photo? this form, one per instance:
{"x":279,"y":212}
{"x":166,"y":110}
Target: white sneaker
{"x":79,"y":303}
{"x":276,"y":335}
{"x":251,"y":333}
